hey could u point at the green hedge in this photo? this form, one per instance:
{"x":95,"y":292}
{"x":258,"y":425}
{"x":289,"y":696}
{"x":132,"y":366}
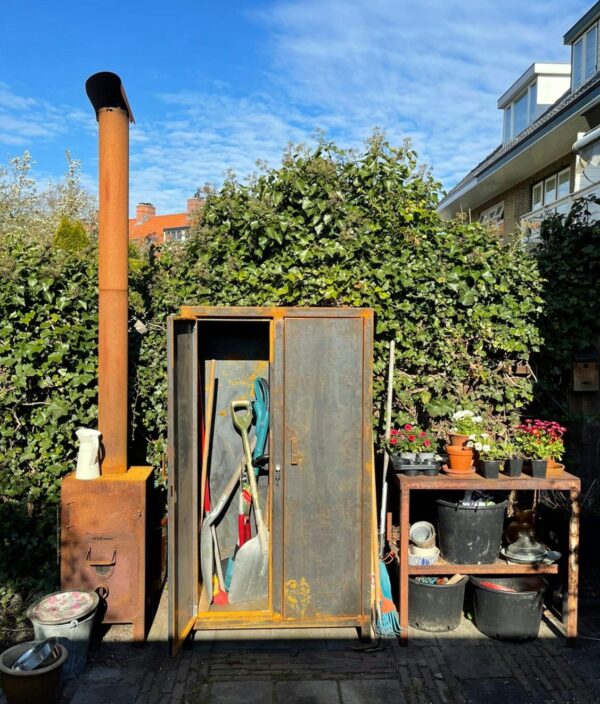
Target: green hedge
{"x":328,"y":228}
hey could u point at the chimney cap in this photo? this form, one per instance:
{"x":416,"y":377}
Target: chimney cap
{"x":105,"y":90}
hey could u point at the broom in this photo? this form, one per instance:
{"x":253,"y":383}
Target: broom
{"x":386,"y":621}
{"x":388,"y":624}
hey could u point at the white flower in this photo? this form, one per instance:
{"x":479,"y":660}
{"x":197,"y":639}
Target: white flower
{"x":469,"y":444}
{"x":486,"y":448}
{"x":478,"y":446}
{"x":459,"y":415}
{"x":484,"y":436}
{"x":477,"y":419}
{"x":471,"y":437}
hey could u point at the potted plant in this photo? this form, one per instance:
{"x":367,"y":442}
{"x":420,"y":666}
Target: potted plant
{"x":539,"y":440}
{"x":491,"y":453}
{"x":403,"y":444}
{"x":426,"y":444}
{"x":464,"y":424}
{"x":513,"y":456}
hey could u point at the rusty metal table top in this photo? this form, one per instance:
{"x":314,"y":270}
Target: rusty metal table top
{"x":561,"y":482}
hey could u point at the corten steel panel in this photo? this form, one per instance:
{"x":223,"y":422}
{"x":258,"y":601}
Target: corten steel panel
{"x":183,"y":479}
{"x":323,"y":523}
{"x":104,"y":531}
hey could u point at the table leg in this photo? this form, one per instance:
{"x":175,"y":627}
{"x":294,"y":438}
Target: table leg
{"x":403,"y":567}
{"x":573,"y":568}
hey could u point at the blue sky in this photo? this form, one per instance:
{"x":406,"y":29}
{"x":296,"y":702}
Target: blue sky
{"x":217,"y":86}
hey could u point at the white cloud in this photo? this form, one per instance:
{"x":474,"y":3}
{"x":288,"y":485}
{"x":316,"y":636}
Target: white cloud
{"x":431,"y":71}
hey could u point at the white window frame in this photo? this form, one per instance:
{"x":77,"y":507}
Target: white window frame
{"x":548,"y":194}
{"x":589,"y":56}
{"x":537,"y":201}
{"x":493,"y":215}
{"x":175,"y":234}
{"x":509,"y":112}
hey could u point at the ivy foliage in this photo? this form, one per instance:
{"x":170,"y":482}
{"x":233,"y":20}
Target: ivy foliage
{"x":336,"y":228}
{"x":568,"y":253}
{"x":328,"y":228}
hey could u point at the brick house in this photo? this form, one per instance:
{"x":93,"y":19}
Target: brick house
{"x":547,"y":111}
{"x":161,"y":228}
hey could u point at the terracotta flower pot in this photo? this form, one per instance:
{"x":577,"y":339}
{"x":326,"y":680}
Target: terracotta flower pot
{"x":460,"y":459}
{"x":458,"y":440}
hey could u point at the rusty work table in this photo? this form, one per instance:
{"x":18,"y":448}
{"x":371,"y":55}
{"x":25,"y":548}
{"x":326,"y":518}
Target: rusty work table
{"x":562,"y":481}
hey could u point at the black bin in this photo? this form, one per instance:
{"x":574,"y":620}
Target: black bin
{"x":509,"y":615}
{"x":470,"y":535}
{"x":435,"y":607}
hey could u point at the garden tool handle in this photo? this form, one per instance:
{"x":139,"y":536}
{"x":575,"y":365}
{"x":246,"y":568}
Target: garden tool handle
{"x":242,"y":422}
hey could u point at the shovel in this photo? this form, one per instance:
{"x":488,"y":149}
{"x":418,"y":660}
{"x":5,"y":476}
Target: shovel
{"x":259,"y":459}
{"x":250,"y":577}
{"x":207,"y":544}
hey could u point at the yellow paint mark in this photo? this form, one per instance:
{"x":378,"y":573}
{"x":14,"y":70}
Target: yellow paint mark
{"x":297,"y":596}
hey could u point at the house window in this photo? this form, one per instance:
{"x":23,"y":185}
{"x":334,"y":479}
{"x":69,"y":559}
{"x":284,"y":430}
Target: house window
{"x":584,"y":60}
{"x":551,"y":189}
{"x":537,"y":196}
{"x":520,"y":113}
{"x":493,"y":215}
{"x":175,"y":234}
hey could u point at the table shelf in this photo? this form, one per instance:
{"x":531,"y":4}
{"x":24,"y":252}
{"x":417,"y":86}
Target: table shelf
{"x":562,"y":481}
{"x":499,"y":567}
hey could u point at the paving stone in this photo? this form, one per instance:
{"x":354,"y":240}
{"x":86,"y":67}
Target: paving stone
{"x":241,"y":692}
{"x":115,"y":693}
{"x":496,"y":690}
{"x":307,"y":692}
{"x":474,"y":661}
{"x":367,"y":692}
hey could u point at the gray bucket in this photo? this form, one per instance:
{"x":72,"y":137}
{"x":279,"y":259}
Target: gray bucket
{"x":75,"y":636}
{"x":74,"y":633}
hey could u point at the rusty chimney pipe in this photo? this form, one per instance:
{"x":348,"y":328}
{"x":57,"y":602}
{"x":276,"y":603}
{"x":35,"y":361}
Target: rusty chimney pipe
{"x":107,"y":95}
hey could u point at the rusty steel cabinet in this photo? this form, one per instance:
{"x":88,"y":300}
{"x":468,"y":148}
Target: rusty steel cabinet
{"x":104,"y":539}
{"x":316,"y":497}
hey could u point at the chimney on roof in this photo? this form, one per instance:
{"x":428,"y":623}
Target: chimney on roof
{"x":193,"y":204}
{"x":143,"y":212}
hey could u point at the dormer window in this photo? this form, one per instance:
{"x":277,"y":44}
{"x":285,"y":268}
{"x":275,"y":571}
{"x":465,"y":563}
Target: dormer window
{"x":585,"y":56}
{"x":520,"y":113}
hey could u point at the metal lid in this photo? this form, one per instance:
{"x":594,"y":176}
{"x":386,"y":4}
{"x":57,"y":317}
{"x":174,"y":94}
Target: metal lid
{"x":62,"y":607}
{"x":526,"y":548}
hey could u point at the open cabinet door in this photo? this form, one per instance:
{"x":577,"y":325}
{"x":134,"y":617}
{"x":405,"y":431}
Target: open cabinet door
{"x":182,"y":355}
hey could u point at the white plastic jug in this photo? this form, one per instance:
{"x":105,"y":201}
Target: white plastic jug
{"x":88,"y":459}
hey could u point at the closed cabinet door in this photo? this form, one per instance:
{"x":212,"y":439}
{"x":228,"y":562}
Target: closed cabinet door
{"x":323,"y":468}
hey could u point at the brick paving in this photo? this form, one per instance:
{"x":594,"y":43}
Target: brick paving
{"x":326,"y":667}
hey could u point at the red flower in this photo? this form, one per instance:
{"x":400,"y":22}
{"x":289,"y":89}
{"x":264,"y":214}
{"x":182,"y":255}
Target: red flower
{"x":412,"y":438}
{"x":394,"y":431}
{"x":408,"y":426}
{"x":422,"y":434}
{"x":393,"y":441}
{"x":427,"y":443}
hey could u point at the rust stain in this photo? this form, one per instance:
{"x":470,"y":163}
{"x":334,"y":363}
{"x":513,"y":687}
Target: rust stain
{"x":297,"y":596}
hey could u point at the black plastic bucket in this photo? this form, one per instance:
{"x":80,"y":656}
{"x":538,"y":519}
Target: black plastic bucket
{"x":514,"y":615}
{"x":470,"y":535}
{"x":435,"y":607}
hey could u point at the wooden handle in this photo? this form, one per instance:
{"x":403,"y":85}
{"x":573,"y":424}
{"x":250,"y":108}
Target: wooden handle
{"x":210,"y":393}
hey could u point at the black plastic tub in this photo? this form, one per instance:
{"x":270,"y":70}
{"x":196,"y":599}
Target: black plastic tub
{"x":470,"y":535}
{"x":513,"y":615}
{"x":435,"y":607}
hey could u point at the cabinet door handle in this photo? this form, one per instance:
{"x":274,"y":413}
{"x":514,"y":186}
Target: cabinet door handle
{"x":295,"y":457}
